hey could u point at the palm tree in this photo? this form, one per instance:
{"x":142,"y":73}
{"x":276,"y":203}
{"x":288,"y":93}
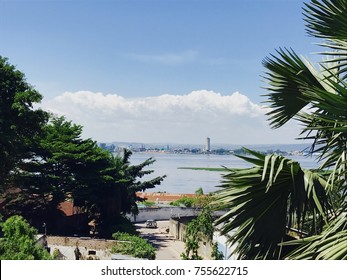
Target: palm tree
{"x":277,"y":209}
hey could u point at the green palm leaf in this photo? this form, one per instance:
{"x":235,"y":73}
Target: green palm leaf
{"x":266,"y":200}
{"x":326,"y":19}
{"x":331,"y":244}
{"x":287,"y":78}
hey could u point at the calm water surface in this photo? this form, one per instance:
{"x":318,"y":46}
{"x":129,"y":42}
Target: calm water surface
{"x":187,"y":181}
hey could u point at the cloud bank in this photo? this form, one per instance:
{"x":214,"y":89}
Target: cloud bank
{"x":168,"y":118}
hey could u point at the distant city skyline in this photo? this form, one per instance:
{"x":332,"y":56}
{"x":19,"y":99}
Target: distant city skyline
{"x":201,"y":147}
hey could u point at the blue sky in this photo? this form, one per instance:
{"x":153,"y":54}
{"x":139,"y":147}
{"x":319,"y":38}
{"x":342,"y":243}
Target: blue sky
{"x":141,"y":50}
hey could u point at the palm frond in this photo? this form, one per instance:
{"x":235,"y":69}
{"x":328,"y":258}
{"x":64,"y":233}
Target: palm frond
{"x":326,"y":19}
{"x":325,"y":119}
{"x":326,"y":123}
{"x":331,"y":244}
{"x":262,"y":202}
{"x":276,"y":194}
{"x":336,"y":55}
{"x":288,"y":77}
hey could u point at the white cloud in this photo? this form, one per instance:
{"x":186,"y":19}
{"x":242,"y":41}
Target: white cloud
{"x":168,"y":118}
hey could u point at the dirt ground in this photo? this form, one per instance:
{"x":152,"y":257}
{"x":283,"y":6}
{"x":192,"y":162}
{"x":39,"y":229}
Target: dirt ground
{"x":167,"y":247}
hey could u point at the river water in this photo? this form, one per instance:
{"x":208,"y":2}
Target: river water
{"x":187,"y":180}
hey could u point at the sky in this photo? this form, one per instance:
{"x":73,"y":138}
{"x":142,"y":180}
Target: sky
{"x":159,"y":71}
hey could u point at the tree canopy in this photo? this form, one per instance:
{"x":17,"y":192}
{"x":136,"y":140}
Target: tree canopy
{"x":19,"y":122}
{"x":45,"y":161}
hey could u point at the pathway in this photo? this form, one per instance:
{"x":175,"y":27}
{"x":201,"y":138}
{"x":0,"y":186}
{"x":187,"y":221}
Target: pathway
{"x":167,"y":247}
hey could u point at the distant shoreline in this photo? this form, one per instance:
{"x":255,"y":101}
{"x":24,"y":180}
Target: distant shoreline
{"x":215,"y":149}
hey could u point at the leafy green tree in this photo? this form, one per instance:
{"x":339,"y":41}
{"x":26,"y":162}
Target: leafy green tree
{"x":19,"y":241}
{"x":128,"y":180}
{"x":133,"y":180}
{"x":276,"y":197}
{"x":64,"y":166}
{"x":48,"y":162}
{"x":19,"y":122}
{"x":198,"y":229}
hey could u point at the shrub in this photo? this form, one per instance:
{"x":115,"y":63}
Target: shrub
{"x":133,"y":245}
{"x":186,"y":201}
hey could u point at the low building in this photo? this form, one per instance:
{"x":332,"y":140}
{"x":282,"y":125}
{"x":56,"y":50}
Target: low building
{"x":83,"y":248}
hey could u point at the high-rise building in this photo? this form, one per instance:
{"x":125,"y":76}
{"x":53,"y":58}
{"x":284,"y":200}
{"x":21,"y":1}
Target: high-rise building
{"x":208,"y":144}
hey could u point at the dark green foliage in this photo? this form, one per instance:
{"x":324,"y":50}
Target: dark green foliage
{"x":117,"y":224}
{"x":266,"y":200}
{"x":121,"y":197}
{"x":132,"y":180}
{"x":66,"y":167}
{"x":19,"y":241}
{"x":133,"y":245}
{"x":19,"y":122}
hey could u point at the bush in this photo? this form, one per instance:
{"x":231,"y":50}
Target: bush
{"x":199,"y":200}
{"x":148,"y":203}
{"x":186,"y":201}
{"x":133,"y":245}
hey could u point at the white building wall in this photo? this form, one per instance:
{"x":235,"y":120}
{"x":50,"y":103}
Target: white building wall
{"x":223,"y":246}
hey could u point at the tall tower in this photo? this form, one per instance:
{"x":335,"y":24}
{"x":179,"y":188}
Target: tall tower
{"x":208,"y":144}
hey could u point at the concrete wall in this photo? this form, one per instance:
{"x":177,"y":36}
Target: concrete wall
{"x":223,"y":246}
{"x":174,"y":229}
{"x":205,"y":249}
{"x":163,"y":213}
{"x":88,"y":248}
{"x":178,"y":227}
